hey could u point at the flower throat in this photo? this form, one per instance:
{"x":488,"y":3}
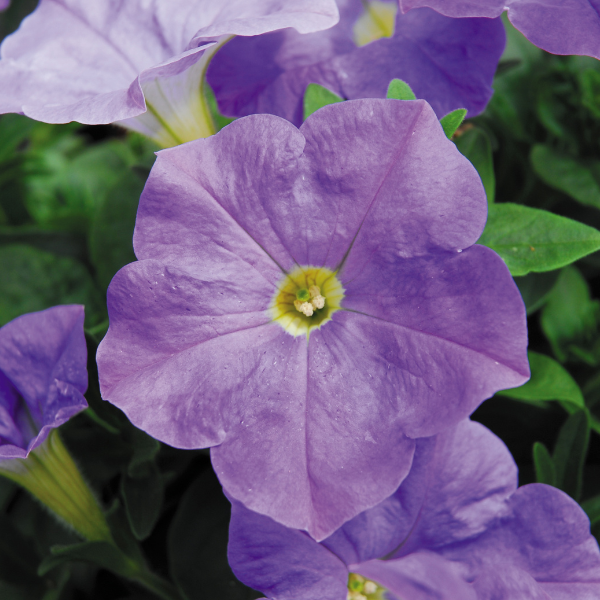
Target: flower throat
{"x":306,"y":298}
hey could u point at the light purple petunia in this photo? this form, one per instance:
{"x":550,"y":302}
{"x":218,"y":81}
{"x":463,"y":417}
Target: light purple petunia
{"x":448,"y":62}
{"x":557,"y":26}
{"x":4,"y":4}
{"x":43,"y":375}
{"x":140,"y":63}
{"x":456,"y":529}
{"x":357,"y":229}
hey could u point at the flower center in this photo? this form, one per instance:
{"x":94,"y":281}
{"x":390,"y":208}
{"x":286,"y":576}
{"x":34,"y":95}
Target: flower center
{"x":360,"y":588}
{"x":306,"y":299}
{"x":376,"y":22}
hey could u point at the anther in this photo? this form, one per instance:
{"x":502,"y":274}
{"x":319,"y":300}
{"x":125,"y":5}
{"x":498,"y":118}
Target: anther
{"x":305,"y":308}
{"x":316,"y":299}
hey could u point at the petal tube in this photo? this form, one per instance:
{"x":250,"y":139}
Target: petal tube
{"x":43,"y":375}
{"x":281,"y":562}
{"x":566,"y":27}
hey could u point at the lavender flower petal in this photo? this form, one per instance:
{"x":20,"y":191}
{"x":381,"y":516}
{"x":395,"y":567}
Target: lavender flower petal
{"x":196,"y":357}
{"x":99,"y":62}
{"x":570,"y":27}
{"x":42,"y":376}
{"x":449,"y":63}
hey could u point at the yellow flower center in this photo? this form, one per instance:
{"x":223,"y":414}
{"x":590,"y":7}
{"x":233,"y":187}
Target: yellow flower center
{"x":306,"y":298}
{"x":376,"y":22}
{"x":360,"y":588}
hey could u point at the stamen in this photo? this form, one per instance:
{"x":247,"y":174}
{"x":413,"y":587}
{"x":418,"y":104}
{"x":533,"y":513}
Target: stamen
{"x":317,"y":300}
{"x":370,"y":587}
{"x":304,"y":307}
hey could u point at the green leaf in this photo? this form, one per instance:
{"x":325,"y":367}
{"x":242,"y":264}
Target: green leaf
{"x":32,"y":280}
{"x":64,"y":191}
{"x":549,"y":381}
{"x":570,"y":317}
{"x":219,"y":119}
{"x":545,"y":472}
{"x":197,"y":544}
{"x":14,"y":130}
{"x":592,"y":509}
{"x":143,"y":499}
{"x":316,"y":97}
{"x":111,"y":235}
{"x":530,"y":239}
{"x":400,"y":90}
{"x":102,"y":554}
{"x":569,"y":175}
{"x":570,"y":452}
{"x":18,"y":558}
{"x":476,"y":146}
{"x":589,"y":82}
{"x":535,"y":288}
{"x":452,"y":121}
{"x":145,"y":449}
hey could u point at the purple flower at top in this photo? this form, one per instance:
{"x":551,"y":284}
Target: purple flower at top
{"x":4,"y":4}
{"x":457,"y":528}
{"x":43,"y":376}
{"x":557,"y":26}
{"x":140,"y":63}
{"x":308,"y":302}
{"x":448,"y":62}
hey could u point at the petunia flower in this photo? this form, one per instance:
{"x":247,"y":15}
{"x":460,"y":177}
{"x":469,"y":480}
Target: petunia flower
{"x":140,"y":63}
{"x":308,"y":302}
{"x":559,"y":27}
{"x":448,"y":62}
{"x":456,"y":528}
{"x":4,"y":4}
{"x":43,"y":375}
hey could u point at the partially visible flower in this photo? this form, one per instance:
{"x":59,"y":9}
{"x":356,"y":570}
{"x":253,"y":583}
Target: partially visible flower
{"x":560,"y":27}
{"x":308,"y":302}
{"x":43,"y":375}
{"x":4,"y":4}
{"x":448,"y":62}
{"x":456,"y":528}
{"x":140,"y":63}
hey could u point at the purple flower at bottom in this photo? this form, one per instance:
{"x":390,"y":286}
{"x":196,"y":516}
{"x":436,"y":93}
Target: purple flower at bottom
{"x":308,"y":302}
{"x":456,"y":528}
{"x":43,"y":376}
{"x":557,"y":26}
{"x":448,"y":62}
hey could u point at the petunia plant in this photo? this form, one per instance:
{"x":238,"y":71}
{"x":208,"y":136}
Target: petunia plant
{"x":448,"y":62}
{"x":139,"y":64}
{"x":457,"y":527}
{"x":309,"y":302}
